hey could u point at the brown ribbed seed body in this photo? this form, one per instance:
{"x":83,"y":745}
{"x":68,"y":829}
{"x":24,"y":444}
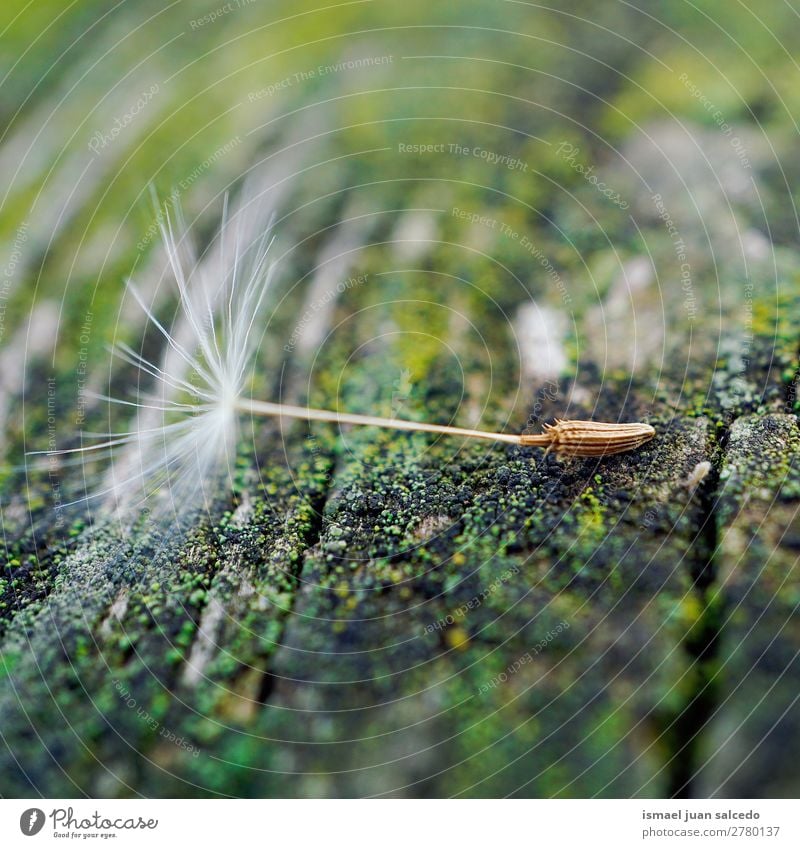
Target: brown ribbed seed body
{"x":590,"y":438}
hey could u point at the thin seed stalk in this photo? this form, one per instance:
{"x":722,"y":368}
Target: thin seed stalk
{"x":281,"y":410}
{"x":567,"y":438}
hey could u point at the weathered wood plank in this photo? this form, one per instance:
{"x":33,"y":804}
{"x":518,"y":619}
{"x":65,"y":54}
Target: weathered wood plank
{"x":379,"y":614}
{"x":758,"y":650}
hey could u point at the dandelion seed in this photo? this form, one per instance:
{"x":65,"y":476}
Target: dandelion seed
{"x":199,"y":388}
{"x":591,"y":438}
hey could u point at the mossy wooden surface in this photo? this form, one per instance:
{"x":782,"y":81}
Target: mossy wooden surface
{"x":370,"y":613}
